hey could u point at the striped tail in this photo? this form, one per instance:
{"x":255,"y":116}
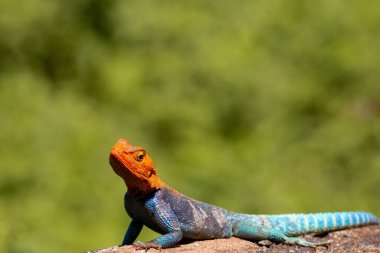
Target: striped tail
{"x":298,"y":224}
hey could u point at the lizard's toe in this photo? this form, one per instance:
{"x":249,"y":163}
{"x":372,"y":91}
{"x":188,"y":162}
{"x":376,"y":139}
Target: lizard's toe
{"x":146,"y":245}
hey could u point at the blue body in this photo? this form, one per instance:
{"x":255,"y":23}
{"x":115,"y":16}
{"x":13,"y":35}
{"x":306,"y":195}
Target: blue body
{"x":179,"y":217}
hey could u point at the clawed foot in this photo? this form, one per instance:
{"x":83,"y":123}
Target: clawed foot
{"x":266,"y":243}
{"x":303,"y":242}
{"x":146,"y":246}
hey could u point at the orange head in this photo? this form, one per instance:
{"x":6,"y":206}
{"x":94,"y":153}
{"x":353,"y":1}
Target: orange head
{"x":136,"y":167}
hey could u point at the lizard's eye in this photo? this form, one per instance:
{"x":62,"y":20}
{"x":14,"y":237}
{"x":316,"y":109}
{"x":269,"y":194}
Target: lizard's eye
{"x":140,"y":156}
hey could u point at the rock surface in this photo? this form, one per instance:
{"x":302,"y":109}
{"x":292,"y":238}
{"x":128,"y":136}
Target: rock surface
{"x":364,"y":239}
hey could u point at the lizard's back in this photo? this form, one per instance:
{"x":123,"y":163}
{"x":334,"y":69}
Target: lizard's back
{"x":198,"y":220}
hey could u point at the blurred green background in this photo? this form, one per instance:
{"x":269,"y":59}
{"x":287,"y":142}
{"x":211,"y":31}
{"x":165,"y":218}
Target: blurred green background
{"x":256,"y":106}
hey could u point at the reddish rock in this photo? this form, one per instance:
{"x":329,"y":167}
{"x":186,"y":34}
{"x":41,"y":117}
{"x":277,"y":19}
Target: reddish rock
{"x":364,"y":239}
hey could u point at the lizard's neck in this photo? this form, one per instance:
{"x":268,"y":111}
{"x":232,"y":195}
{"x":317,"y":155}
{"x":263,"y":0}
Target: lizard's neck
{"x":144,"y":187}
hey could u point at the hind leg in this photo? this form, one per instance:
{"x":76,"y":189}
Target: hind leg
{"x":245,"y":230}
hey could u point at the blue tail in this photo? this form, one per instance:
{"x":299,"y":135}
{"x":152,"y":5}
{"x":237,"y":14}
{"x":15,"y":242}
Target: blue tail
{"x":285,"y":227}
{"x":298,"y":224}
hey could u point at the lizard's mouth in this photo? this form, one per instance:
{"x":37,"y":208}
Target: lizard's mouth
{"x":117,"y":164}
{"x":120,"y":164}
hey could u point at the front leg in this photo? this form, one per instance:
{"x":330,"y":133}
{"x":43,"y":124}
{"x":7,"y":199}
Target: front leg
{"x":164,"y":241}
{"x":133,"y":231}
{"x":164,"y":217}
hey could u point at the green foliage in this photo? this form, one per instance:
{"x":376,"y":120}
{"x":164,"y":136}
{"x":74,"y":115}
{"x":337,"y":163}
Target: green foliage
{"x":256,"y":106}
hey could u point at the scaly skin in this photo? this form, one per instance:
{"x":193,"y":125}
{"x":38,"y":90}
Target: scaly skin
{"x":152,"y":203}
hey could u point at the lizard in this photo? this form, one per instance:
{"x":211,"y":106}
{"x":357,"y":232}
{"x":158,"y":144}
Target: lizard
{"x":151,"y":202}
